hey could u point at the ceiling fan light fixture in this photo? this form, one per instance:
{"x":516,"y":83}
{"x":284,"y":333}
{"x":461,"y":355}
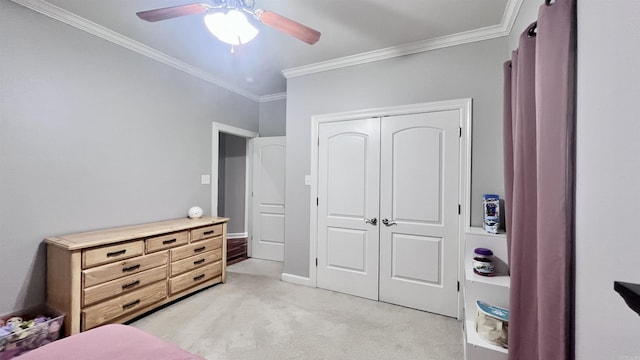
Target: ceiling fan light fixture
{"x":231,"y":27}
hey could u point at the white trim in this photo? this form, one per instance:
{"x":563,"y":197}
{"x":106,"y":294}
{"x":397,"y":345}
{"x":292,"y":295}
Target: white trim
{"x":465,"y":107}
{"x":490,"y":32}
{"x":102,"y":32}
{"x":216,"y":129}
{"x":466,"y":111}
{"x":237,"y":235}
{"x":396,"y":51}
{"x":295,"y":279}
{"x":511,"y":11}
{"x":248,"y":198}
{"x":273,"y":97}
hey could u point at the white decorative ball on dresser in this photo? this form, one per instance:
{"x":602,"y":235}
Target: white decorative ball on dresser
{"x":195,"y":212}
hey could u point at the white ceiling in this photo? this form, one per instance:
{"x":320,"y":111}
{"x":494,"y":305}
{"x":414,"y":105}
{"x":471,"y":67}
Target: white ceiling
{"x":355,"y":28}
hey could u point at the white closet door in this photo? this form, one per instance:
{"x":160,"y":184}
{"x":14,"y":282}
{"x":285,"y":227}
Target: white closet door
{"x":419,"y":200}
{"x":348,"y":185}
{"x":267,"y":240}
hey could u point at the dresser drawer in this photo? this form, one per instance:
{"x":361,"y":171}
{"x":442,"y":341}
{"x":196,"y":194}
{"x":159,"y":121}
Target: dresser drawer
{"x":111,"y":253}
{"x":193,"y":262}
{"x":110,"y":272}
{"x":163,"y":242}
{"x":112,"y":309}
{"x":206,"y":232}
{"x":195,"y":249}
{"x":123,"y":285}
{"x":195,"y":277}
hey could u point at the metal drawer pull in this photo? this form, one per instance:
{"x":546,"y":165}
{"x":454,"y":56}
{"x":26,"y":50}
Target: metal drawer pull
{"x":167,"y":242}
{"x":372,"y":221}
{"x":130,"y":285}
{"x":210,"y":232}
{"x":131,"y":304}
{"x":388,"y":223}
{"x":198,"y":262}
{"x":199,"y":277}
{"x":117,"y":253}
{"x":131,"y":268}
{"x":199,"y":249}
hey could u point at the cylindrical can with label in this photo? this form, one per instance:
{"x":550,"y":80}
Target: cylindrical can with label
{"x":483,"y":262}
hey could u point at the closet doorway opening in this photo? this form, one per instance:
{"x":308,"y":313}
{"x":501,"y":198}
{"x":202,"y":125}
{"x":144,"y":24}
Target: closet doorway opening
{"x":231,"y":188}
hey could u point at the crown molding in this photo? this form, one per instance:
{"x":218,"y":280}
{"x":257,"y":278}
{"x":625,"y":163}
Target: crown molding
{"x":510,"y":14}
{"x":503,"y":29}
{"x":273,"y":97}
{"x":69,"y":18}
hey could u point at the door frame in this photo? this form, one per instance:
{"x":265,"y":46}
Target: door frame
{"x":218,"y":128}
{"x":464,"y":186}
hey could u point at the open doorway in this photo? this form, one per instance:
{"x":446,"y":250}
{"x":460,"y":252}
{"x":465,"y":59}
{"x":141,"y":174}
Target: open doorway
{"x":230,"y":189}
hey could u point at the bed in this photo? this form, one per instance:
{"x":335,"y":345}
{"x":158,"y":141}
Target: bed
{"x":110,"y":342}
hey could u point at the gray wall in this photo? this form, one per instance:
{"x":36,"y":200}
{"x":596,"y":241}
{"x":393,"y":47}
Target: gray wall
{"x":608,"y":178}
{"x":272,"y":118}
{"x":232,"y":180}
{"x":466,"y":71}
{"x":92,"y":136}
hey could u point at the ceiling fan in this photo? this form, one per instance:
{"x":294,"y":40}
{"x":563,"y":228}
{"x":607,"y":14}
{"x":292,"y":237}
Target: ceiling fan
{"x":235,"y":11}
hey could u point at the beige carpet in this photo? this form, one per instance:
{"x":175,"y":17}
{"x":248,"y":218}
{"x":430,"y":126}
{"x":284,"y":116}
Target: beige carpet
{"x":257,"y":316}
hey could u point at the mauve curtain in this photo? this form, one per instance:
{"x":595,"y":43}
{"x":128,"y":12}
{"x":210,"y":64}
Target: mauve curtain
{"x":539,"y":145}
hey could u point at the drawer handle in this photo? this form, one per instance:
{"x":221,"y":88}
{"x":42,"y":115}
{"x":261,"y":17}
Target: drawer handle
{"x":130,"y":305}
{"x":210,"y":232}
{"x":130,"y":285}
{"x":198,"y":262}
{"x":131,"y":268}
{"x":199,"y":277}
{"x":199,"y":249}
{"x":167,"y":242}
{"x":117,"y":253}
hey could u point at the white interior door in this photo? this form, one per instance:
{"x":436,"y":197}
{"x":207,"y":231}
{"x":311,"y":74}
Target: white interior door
{"x":267,"y":240}
{"x":419,"y":211}
{"x":348,"y":185}
{"x":402,"y":171}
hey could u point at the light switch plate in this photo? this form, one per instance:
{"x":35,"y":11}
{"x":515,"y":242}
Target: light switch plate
{"x":307,"y":179}
{"x":205,"y":179}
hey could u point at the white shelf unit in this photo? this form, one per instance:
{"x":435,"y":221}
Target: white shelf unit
{"x":491,"y":289}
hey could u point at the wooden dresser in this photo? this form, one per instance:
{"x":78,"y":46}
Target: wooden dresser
{"x":114,"y":275}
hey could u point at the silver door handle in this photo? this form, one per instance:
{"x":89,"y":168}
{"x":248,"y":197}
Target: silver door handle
{"x":372,"y":221}
{"x":388,"y":223}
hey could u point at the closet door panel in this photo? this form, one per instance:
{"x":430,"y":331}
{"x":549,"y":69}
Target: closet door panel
{"x":348,"y":184}
{"x":419,"y":202}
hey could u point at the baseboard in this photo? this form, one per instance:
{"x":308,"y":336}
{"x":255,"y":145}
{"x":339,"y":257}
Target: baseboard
{"x":237,"y":235}
{"x":295,"y":279}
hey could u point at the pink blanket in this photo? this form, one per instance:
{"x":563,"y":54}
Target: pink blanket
{"x":110,"y":342}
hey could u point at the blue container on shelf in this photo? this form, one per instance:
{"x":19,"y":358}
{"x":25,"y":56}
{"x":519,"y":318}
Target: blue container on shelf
{"x":491,"y":213}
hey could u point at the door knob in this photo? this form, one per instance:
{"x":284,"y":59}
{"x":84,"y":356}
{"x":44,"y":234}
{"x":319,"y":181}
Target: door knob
{"x":388,"y":223}
{"x":372,"y":221}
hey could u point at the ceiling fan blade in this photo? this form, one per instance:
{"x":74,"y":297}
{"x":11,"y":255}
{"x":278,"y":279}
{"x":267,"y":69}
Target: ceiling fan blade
{"x":288,"y":26}
{"x":173,"y":12}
